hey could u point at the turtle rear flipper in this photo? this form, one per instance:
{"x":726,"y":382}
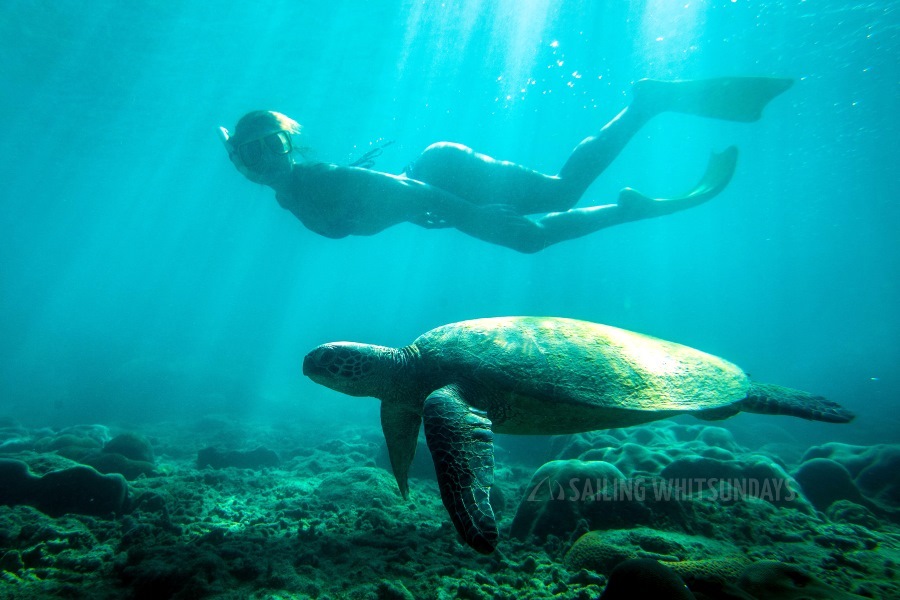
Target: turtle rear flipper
{"x":462,"y":447}
{"x":769,"y":399}
{"x":401,"y":432}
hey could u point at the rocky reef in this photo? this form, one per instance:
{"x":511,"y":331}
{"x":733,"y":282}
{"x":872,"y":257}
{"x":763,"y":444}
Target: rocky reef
{"x":220,"y":509}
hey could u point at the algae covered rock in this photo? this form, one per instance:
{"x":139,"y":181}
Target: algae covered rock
{"x":779,"y":581}
{"x":593,"y":551}
{"x":240,"y":459}
{"x":116,"y":463}
{"x":825,"y":481}
{"x":632,"y":459}
{"x":734,"y":480}
{"x":128,"y":454}
{"x":564,"y":495}
{"x":393,"y":590}
{"x":645,"y":578}
{"x":844,"y":511}
{"x":865,"y":475}
{"x":79,"y":489}
{"x":132,"y":446}
{"x":69,"y":445}
{"x":360,"y":485}
{"x":600,"y":551}
{"x":561,"y":493}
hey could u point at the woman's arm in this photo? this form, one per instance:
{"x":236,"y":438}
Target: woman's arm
{"x":337,"y":201}
{"x":495,"y":223}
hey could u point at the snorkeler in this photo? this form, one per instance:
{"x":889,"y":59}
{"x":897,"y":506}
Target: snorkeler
{"x":450,"y":185}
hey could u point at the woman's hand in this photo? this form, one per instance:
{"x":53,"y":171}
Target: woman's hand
{"x":504,"y":217}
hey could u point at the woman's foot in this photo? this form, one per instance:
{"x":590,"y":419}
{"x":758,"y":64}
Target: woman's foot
{"x":719,"y":171}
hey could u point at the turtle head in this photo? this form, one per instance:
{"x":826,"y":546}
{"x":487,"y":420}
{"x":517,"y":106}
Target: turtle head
{"x":351,"y":368}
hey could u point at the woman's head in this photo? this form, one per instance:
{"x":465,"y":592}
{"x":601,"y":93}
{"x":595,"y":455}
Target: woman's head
{"x":261,"y":145}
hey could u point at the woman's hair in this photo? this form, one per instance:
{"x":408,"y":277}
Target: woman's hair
{"x":261,"y":122}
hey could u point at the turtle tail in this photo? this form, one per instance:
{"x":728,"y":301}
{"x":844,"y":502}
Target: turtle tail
{"x":769,"y":399}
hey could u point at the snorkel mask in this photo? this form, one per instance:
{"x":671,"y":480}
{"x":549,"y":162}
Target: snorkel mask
{"x":261,"y":147}
{"x":253,"y":152}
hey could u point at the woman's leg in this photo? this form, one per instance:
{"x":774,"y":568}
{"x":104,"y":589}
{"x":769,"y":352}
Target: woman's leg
{"x":727,"y":98}
{"x":483,"y":180}
{"x":595,"y":153}
{"x":498,"y":225}
{"x":634,"y":206}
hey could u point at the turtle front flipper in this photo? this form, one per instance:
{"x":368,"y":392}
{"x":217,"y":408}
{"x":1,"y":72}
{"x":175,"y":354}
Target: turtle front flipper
{"x":462,"y":447}
{"x":401,"y":432}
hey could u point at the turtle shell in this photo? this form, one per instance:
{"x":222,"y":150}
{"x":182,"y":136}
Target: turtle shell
{"x":581,"y":363}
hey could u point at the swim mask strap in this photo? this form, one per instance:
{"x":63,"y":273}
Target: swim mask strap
{"x":226,"y":141}
{"x":367,"y":160}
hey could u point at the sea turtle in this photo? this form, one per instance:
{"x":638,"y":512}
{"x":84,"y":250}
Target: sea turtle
{"x":533,"y":375}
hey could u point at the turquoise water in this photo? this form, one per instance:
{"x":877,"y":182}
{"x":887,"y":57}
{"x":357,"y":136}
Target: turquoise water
{"x":143,"y":278}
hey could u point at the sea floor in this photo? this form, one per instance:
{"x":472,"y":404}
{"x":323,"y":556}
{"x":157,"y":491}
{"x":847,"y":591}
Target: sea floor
{"x":224,"y":509}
